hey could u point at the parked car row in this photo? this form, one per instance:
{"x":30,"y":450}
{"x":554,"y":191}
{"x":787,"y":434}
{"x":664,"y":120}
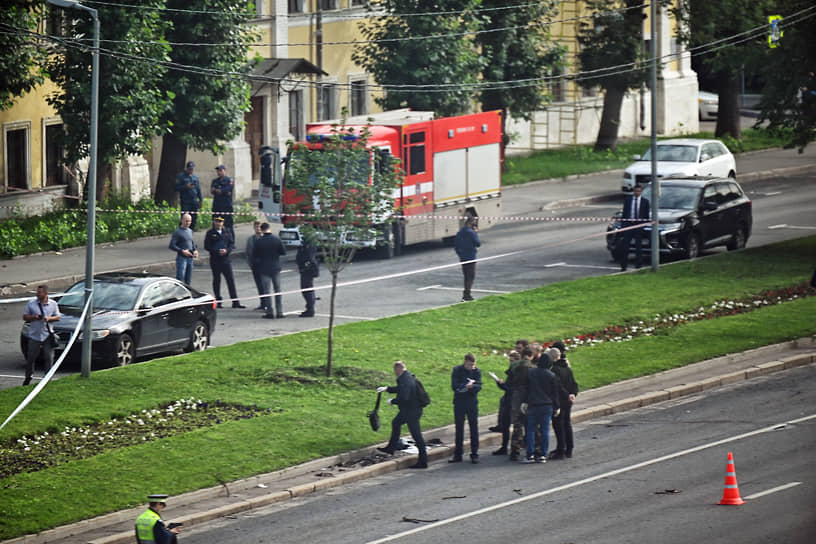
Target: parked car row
{"x":694,"y":214}
{"x":135,"y":315}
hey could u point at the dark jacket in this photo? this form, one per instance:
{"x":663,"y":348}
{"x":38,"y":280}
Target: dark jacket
{"x":223,"y":201}
{"x":215,"y":241}
{"x":465,"y":244}
{"x":266,"y":254}
{"x":189,"y":197}
{"x":406,"y":390}
{"x":643,"y":209}
{"x":306,"y":259}
{"x":459,"y":378}
{"x":566,"y":380}
{"x":542,"y":388}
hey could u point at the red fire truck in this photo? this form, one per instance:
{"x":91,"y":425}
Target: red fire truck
{"x":452,"y":171}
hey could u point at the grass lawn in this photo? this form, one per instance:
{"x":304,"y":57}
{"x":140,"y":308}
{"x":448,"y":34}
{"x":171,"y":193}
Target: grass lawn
{"x":312,"y":416}
{"x":558,"y":163}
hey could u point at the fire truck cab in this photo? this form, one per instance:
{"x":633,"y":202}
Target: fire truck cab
{"x":452,"y":171}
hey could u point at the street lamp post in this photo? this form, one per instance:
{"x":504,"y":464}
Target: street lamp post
{"x":90,"y":186}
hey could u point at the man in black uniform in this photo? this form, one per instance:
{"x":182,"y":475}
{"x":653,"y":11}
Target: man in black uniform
{"x":410,"y":410}
{"x":220,"y":243}
{"x":307,"y":264}
{"x":266,"y":254}
{"x":189,"y":191}
{"x":222,"y":189}
{"x":466,"y":382}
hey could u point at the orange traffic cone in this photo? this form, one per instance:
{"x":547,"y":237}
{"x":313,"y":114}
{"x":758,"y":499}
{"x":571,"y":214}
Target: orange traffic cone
{"x":731,"y":492}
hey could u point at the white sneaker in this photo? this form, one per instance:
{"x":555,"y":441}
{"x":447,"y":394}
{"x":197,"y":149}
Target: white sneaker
{"x":526,"y":460}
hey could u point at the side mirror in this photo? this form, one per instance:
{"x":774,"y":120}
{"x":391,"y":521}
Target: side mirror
{"x":709,"y":205}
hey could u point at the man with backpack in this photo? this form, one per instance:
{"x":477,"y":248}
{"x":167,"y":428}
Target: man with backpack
{"x":410,"y":400}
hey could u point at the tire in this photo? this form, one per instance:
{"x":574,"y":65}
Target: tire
{"x":692,"y":250}
{"x":737,"y":240}
{"x":199,"y":337}
{"x":125,"y":352}
{"x":385,"y":250}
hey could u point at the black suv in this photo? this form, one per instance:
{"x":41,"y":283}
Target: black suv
{"x":694,"y":214}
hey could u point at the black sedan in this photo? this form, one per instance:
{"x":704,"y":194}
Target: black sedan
{"x":135,"y":315}
{"x":694,"y":214}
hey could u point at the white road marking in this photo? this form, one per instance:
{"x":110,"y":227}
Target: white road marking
{"x":443,"y":288}
{"x":565,"y":265}
{"x":774,"y":227}
{"x":794,"y":227}
{"x":774,"y":490}
{"x":554,"y":264}
{"x":437,"y":286}
{"x":591,"y":479}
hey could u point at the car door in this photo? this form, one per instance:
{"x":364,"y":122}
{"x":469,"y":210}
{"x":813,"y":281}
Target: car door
{"x":710,"y":217}
{"x":181,"y":314}
{"x":152,"y":318}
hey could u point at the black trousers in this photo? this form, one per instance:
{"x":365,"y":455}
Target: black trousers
{"x":410,"y":418}
{"x":637,"y":235}
{"x":461,"y":411}
{"x":469,"y":273}
{"x":307,"y":282}
{"x":562,"y":426}
{"x":219,"y":267}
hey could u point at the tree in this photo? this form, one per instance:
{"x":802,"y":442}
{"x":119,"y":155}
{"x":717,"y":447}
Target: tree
{"x":22,"y":60}
{"x":448,"y":66}
{"x":521,"y":52}
{"x":704,"y":22}
{"x":130,"y":99}
{"x":612,"y":50}
{"x":345,"y":192}
{"x":209,"y":94}
{"x":789,"y":70}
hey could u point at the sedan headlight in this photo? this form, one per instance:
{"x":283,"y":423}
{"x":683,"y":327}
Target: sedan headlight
{"x":627,"y":175}
{"x":670,"y":227}
{"x":96,"y":334}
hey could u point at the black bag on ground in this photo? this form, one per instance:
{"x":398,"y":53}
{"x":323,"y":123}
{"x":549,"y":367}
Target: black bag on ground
{"x":373,"y":416}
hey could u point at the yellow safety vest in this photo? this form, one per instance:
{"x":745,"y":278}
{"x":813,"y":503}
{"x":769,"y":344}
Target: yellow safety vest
{"x":144,"y":526}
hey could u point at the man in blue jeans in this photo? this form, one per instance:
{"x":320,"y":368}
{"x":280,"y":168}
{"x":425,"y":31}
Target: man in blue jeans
{"x":466,"y":382}
{"x":540,"y":403}
{"x":186,"y":251}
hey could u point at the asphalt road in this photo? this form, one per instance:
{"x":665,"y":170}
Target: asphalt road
{"x":568,"y":245}
{"x":653,"y":474}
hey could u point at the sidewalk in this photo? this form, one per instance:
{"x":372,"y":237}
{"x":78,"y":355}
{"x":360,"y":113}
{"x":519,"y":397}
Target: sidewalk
{"x":207,"y":504}
{"x":20,"y":276}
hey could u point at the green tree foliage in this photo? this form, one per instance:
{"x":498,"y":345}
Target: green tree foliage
{"x":344,"y":189}
{"x":130,"y":100}
{"x":520,"y":52}
{"x":612,"y":49}
{"x":206,"y":108}
{"x":789,"y":71}
{"x":448,"y":65}
{"x":21,"y":63}
{"x":703,"y":22}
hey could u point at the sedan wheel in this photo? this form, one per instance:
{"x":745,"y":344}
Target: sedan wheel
{"x":692,"y":246}
{"x":199,"y":338}
{"x":737,"y":241}
{"x":125,"y":350}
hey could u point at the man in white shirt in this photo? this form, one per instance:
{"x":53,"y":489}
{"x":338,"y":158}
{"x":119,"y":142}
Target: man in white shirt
{"x":39,"y":313}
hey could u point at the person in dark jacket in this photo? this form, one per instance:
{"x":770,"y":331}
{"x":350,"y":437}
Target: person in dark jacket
{"x":540,"y":403}
{"x":410,"y":410}
{"x":249,"y":249}
{"x":568,"y":390}
{"x":517,"y":380}
{"x":466,"y":382}
{"x":505,"y":405}
{"x":189,"y":190}
{"x":308,"y":267}
{"x":465,"y":244}
{"x":222,"y":189}
{"x":220,"y":243}
{"x":636,"y":211}
{"x":266,"y":254}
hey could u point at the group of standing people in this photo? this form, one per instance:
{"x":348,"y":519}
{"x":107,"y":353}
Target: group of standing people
{"x":540,"y":390}
{"x":263,"y":248}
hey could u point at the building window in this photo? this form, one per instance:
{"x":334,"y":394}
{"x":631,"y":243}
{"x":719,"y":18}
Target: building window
{"x":17,"y":155}
{"x":296,"y":127}
{"x":327,"y":5}
{"x":296,"y":6}
{"x":328,"y":106}
{"x":353,"y":3}
{"x":358,"y":97}
{"x":54,"y":153}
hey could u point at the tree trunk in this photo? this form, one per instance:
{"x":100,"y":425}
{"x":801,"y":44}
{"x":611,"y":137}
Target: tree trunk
{"x":331,"y":323}
{"x":610,"y":119}
{"x":728,"y":114}
{"x":173,"y":155}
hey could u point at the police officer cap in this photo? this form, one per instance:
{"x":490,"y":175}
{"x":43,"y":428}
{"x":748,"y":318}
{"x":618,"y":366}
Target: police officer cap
{"x":220,"y":167}
{"x":158,"y":497}
{"x":191,"y":164}
{"x":218,"y":219}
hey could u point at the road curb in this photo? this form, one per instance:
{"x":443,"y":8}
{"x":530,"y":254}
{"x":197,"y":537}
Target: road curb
{"x":598,"y":411}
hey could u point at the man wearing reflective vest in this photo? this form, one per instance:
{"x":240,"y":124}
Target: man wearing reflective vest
{"x":150,"y":528}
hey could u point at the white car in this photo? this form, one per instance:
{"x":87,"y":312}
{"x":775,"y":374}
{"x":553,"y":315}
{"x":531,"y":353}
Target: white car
{"x":685,"y":157}
{"x":708,"y":104}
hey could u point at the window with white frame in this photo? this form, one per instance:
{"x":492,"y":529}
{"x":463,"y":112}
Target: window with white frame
{"x":328,"y":101}
{"x":358,"y":96}
{"x":17,"y":155}
{"x":297,"y":126}
{"x":297,"y":6}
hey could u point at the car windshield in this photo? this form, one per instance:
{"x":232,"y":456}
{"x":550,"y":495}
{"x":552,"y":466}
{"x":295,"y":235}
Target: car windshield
{"x":107,"y":296}
{"x":673,"y":153}
{"x":674,"y":197}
